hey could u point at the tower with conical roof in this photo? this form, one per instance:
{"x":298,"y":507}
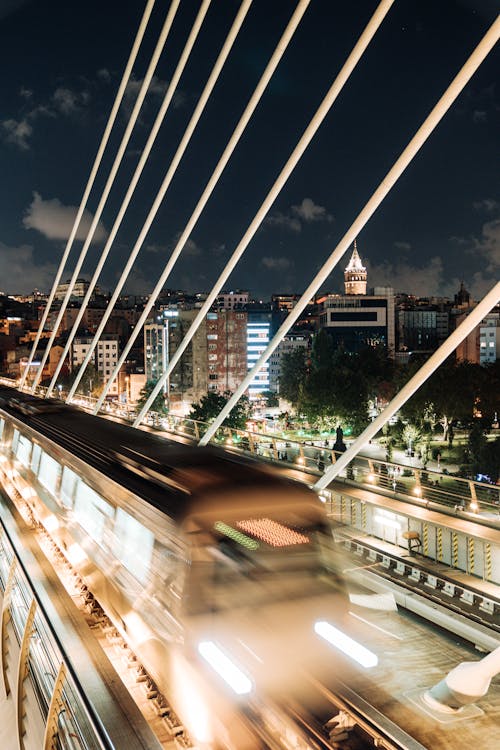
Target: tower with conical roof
{"x":355,"y":274}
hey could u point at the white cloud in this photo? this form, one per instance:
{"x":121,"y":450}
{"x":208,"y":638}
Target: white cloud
{"x":487,"y":244}
{"x":55,"y":221}
{"x":403,"y":277}
{"x":308,"y":210}
{"x":69,"y":101}
{"x":274,"y":263}
{"x":191,"y":248}
{"x":25,"y":93}
{"x":104,"y":75}
{"x":157,"y":88}
{"x":17,"y":133}
{"x":282,"y":220}
{"x":22,"y":274}
{"x":487,"y":205}
{"x":403,"y":246}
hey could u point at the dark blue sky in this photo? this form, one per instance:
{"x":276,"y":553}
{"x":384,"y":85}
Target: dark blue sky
{"x":60,"y":65}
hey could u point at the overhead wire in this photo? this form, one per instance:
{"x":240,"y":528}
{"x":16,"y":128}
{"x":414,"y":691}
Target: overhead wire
{"x":325,"y":106}
{"x":90,"y":182}
{"x":237,"y":133}
{"x":111,"y":177}
{"x":198,"y":111}
{"x":430,"y":123}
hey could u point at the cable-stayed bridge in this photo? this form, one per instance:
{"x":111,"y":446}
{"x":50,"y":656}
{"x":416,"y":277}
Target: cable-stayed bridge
{"x":81,"y":490}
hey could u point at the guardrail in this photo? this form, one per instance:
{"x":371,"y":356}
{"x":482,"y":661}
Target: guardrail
{"x":68,"y":718}
{"x":314,"y":456}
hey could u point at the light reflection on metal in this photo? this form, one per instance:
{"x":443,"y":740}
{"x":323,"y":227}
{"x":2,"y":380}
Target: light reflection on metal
{"x":273,"y":533}
{"x":347,"y":645}
{"x":23,"y":671}
{"x":7,"y":596}
{"x":56,"y":705}
{"x":225,"y":668}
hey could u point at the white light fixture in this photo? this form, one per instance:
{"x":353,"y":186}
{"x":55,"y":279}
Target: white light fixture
{"x":347,"y":645}
{"x":388,"y":522}
{"x":224,"y":667}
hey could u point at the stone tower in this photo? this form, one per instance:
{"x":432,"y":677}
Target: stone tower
{"x":355,"y":274}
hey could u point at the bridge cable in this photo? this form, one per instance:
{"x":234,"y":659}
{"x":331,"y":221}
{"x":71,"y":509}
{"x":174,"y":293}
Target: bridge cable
{"x":237,"y":133}
{"x":325,"y":106}
{"x":202,"y":102}
{"x":438,"y":357}
{"x":104,"y":140}
{"x":109,"y":183}
{"x":425,"y":130}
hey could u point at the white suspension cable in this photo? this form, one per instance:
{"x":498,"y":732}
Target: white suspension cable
{"x":219,"y":64}
{"x":109,"y":183}
{"x":448,"y":347}
{"x":90,"y":182}
{"x":325,"y":106}
{"x":254,"y":100}
{"x":425,"y":130}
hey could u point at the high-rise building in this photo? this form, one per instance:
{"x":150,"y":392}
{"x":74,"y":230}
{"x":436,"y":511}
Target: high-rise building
{"x":226,"y":349}
{"x":258,"y":337}
{"x":105,"y":356}
{"x":293,"y":341}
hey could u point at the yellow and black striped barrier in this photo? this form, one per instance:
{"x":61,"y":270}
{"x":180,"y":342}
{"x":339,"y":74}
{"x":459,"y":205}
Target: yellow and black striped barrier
{"x":471,"y":553}
{"x":425,"y":539}
{"x":487,"y":562}
{"x":363,"y":516}
{"x":454,"y":550}
{"x":439,"y":543}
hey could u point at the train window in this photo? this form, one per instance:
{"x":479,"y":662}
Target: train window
{"x":133,"y":545}
{"x":35,"y":458}
{"x":49,"y":472}
{"x":23,"y":450}
{"x":91,"y":511}
{"x":68,"y":484}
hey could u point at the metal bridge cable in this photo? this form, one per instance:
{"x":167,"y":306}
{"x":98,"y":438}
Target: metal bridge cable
{"x":237,"y":133}
{"x":114,"y":169}
{"x":459,"y":334}
{"x":202,"y":102}
{"x":425,"y":130}
{"x":90,"y":182}
{"x":325,"y":106}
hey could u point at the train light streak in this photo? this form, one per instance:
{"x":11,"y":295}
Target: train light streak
{"x":272,"y":532}
{"x":224,"y":667}
{"x":347,"y":645}
{"x":236,"y":535}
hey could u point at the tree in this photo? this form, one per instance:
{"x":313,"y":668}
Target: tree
{"x":293,"y":373}
{"x":210,"y":405}
{"x":271,"y":399}
{"x":452,"y":393}
{"x":158,"y":404}
{"x":411,"y":436}
{"x":90,"y":384}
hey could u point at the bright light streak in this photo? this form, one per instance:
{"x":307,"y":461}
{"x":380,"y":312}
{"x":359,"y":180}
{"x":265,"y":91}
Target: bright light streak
{"x":388,"y":522}
{"x":51,"y":523}
{"x":347,"y":645}
{"x":224,"y":667}
{"x":75,"y":554}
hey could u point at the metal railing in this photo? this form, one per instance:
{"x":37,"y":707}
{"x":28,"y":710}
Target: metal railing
{"x":421,"y":484}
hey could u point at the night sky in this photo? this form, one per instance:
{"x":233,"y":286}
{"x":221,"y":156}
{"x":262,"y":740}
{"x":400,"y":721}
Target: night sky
{"x":60,"y":67}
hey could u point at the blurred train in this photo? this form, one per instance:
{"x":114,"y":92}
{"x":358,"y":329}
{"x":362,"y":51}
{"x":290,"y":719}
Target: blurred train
{"x":213,"y":567}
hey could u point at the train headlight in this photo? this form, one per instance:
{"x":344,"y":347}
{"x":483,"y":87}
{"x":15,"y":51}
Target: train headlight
{"x":347,"y":645}
{"x":225,"y":668}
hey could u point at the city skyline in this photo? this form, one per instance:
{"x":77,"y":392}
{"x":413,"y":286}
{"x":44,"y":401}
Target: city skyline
{"x":439,"y":226}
